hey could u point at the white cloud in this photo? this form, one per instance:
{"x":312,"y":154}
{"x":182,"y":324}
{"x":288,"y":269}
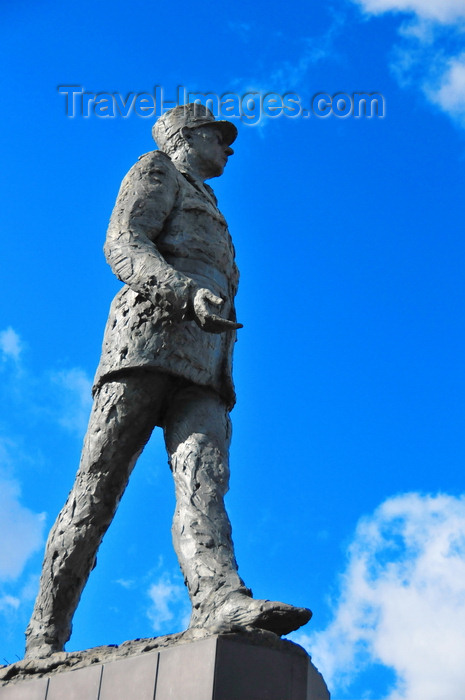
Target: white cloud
{"x":242,"y":29}
{"x":446,"y":11}
{"x":168,"y":603}
{"x":29,"y":589}
{"x":61,"y":396}
{"x":75,"y":398}
{"x":291,"y":74}
{"x":10,"y":344}
{"x":8,"y":602}
{"x":402,"y":601}
{"x":33,"y":402}
{"x":430,"y":56}
{"x":126,"y":583}
{"x":21,"y":531}
{"x":450,"y":93}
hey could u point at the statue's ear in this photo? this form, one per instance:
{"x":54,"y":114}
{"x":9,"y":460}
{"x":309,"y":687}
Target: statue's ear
{"x":186,"y":133}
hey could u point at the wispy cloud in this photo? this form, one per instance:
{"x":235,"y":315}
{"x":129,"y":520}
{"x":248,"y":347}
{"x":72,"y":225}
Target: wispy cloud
{"x":449,"y":94}
{"x":21,"y":528}
{"x":431,"y":53}
{"x":402,"y":601}
{"x":292,"y":74}
{"x":21,"y":536}
{"x":168,"y":603}
{"x":8,"y":602}
{"x":127,"y":583}
{"x":283,"y":76}
{"x":446,"y":11}
{"x":10,"y":344}
{"x":49,"y":399}
{"x":62,"y":397}
{"x":75,"y":398}
{"x":241,"y":29}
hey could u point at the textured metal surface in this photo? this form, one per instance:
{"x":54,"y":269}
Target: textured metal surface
{"x":166,"y":361}
{"x":161,"y":215}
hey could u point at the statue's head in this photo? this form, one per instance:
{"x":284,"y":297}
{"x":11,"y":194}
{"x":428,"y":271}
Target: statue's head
{"x":192,"y":137}
{"x":170,"y":130}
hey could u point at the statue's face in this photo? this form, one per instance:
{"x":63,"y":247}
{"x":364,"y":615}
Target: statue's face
{"x":211,"y":150}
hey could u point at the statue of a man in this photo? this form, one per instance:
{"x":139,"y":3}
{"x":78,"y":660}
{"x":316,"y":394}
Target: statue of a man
{"x":166,"y":361}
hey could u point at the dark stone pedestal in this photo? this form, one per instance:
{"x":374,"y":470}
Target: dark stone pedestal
{"x":223,"y":667}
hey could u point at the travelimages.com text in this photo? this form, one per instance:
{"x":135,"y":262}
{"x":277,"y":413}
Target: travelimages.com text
{"x":250,"y":108}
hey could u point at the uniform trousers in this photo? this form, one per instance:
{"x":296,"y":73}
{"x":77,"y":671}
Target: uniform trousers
{"x":197,"y":432}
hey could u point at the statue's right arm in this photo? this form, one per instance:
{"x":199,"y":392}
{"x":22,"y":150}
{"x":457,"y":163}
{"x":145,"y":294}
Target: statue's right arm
{"x":145,"y":200}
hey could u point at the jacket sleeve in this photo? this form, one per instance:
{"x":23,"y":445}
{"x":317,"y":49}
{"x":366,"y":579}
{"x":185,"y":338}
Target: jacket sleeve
{"x":145,"y":200}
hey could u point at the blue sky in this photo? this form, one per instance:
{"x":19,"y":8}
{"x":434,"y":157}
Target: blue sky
{"x":349,"y":432}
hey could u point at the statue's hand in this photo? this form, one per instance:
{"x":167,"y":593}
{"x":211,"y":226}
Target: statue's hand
{"x":205,"y":318}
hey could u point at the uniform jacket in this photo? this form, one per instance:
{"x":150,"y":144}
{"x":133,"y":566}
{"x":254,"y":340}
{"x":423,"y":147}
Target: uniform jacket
{"x":166,"y":238}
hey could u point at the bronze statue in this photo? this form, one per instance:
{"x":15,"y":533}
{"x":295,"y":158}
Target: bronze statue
{"x":166,"y":361}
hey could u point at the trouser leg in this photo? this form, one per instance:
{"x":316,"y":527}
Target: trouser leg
{"x":122,"y":419}
{"x":197,"y":434}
